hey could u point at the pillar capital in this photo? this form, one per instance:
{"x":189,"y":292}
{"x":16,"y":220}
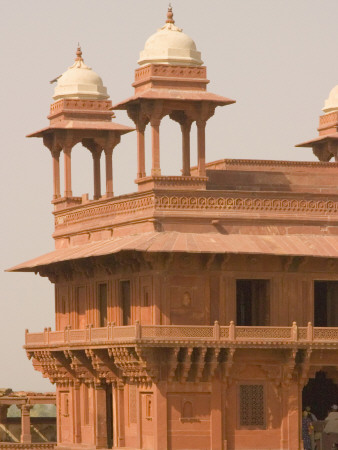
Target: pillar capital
{"x":94,"y":147}
{"x":25,"y":408}
{"x":51,"y":142}
{"x":204,"y":111}
{"x":183,"y":118}
{"x":155,"y":121}
{"x":137,"y":114}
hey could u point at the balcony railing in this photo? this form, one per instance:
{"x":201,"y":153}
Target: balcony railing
{"x":162,"y":334}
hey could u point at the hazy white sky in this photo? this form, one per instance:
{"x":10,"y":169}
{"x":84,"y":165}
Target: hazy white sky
{"x":277,"y":58}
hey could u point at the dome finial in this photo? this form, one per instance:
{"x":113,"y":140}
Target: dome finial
{"x":170,"y":15}
{"x":78,"y":53}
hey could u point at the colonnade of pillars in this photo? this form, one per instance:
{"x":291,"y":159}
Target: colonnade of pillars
{"x":155,"y":145}
{"x":96,"y":151}
{"x":144,"y":115}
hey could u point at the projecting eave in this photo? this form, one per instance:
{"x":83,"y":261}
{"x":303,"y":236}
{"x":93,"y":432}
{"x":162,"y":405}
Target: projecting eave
{"x":319,"y":140}
{"x":83,"y":125}
{"x":176,"y":242}
{"x":177,"y":95}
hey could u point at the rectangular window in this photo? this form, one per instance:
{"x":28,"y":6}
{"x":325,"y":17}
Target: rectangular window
{"x":102,"y":304}
{"x":253,"y":302}
{"x":251,"y":406}
{"x":326,"y":304}
{"x":125,"y":302}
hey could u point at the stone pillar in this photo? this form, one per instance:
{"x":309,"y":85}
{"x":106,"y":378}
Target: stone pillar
{"x":68,"y":170}
{"x":160,"y":416}
{"x":56,"y":174}
{"x":3,"y":413}
{"x":101,"y":416}
{"x":120,"y":415}
{"x":291,"y":420}
{"x":109,"y":171}
{"x":155,"y":144}
{"x":201,"y":147}
{"x":141,"y":160}
{"x":216,"y":415}
{"x":77,"y":413}
{"x":97,"y":173}
{"x":185,"y":128}
{"x":26,"y":437}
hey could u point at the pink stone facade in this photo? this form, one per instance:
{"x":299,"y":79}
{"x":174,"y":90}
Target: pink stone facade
{"x":192,"y":313}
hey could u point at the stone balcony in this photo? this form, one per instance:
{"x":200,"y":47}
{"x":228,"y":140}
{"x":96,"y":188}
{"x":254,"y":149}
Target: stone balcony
{"x":172,"y":335}
{"x":145,"y":353}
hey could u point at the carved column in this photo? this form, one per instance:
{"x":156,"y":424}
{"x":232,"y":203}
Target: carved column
{"x":120,"y":415}
{"x":77,"y":413}
{"x":97,"y":173}
{"x":26,"y":437}
{"x":3,"y":413}
{"x":185,"y":128}
{"x":160,"y":415}
{"x":141,"y":160}
{"x":291,"y":413}
{"x":68,"y":170}
{"x":101,"y":416}
{"x":109,"y":171}
{"x":51,"y":143}
{"x":201,"y":146}
{"x":155,"y":143}
{"x":56,"y":173}
{"x":216,"y":415}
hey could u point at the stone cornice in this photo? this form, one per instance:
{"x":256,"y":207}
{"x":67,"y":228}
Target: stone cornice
{"x":317,"y":205}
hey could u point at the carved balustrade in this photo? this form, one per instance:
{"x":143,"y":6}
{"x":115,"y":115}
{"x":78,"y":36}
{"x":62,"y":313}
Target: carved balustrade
{"x":171,"y":334}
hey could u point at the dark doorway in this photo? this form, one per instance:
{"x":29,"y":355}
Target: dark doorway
{"x":253,"y":302}
{"x":109,"y":409}
{"x":320,"y":394}
{"x":326,"y":303}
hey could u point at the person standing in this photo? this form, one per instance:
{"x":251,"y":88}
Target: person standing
{"x":330,"y":432}
{"x":307,"y":429}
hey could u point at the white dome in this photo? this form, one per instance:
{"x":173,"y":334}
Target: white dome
{"x":169,"y":45}
{"x":331,"y":104}
{"x":80,"y":81}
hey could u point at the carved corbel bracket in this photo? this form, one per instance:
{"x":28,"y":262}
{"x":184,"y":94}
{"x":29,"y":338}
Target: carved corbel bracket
{"x":289,"y":366}
{"x":227,"y":365}
{"x":305,"y":367}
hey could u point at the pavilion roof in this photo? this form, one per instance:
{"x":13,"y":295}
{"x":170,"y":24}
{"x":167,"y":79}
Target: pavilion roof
{"x":96,"y":125}
{"x":319,"y":139}
{"x":177,"y":95}
{"x":173,"y":241}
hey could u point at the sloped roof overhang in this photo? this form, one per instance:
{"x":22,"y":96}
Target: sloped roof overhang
{"x":176,"y":95}
{"x":319,"y":140}
{"x":172,"y":241}
{"x":91,"y":125}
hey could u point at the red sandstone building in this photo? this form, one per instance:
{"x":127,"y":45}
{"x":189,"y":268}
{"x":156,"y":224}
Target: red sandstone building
{"x":196,"y":312}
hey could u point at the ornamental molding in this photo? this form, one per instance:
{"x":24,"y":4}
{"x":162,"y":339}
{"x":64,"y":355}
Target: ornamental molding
{"x":203,"y":202}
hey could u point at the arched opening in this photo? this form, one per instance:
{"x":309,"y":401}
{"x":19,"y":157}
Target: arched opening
{"x":82,"y":171}
{"x":187,"y":411}
{"x":320,"y":394}
{"x":170,"y":147}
